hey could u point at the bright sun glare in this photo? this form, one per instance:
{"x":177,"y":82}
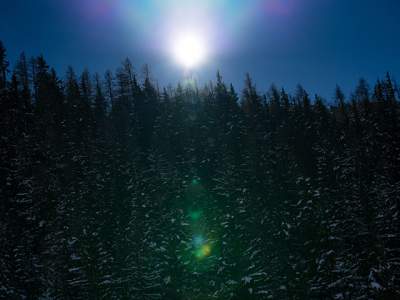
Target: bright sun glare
{"x":189,"y":50}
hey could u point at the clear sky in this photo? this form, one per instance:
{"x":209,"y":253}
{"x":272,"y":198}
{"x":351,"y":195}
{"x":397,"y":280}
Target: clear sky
{"x":318,"y":43}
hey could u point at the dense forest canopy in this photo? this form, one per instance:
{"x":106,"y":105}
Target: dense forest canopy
{"x":114,"y":188}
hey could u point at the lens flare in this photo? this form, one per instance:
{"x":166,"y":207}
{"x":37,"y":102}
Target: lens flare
{"x":203,"y":252}
{"x":195,"y":215}
{"x":198,"y":240}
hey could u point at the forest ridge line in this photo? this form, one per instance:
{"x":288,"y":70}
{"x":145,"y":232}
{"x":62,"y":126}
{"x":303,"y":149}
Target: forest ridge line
{"x":108,"y":184}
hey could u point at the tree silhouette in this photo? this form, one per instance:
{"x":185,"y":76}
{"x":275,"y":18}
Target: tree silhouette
{"x":114,"y":188}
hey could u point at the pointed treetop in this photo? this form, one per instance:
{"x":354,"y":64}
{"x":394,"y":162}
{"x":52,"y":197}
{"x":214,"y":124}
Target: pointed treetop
{"x":339,"y":96}
{"x":4,"y":64}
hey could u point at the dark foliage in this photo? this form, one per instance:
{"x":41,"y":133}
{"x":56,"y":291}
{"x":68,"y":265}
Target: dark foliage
{"x":106,"y":185}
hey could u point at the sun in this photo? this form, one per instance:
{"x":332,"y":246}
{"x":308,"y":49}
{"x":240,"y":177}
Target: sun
{"x":189,"y":50}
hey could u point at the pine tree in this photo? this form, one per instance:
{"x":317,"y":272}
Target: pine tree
{"x":113,"y":189}
{"x":3,"y":67}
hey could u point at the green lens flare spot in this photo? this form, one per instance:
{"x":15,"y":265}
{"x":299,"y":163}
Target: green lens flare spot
{"x":203,"y":252}
{"x":195,"y":215}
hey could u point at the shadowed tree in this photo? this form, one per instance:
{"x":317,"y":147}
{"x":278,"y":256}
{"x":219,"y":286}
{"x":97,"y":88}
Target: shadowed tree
{"x":113,"y":190}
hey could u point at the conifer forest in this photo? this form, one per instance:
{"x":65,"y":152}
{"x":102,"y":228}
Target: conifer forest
{"x":113,"y":187}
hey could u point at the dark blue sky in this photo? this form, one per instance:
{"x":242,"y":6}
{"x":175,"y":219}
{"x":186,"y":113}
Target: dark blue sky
{"x":317,"y":43}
